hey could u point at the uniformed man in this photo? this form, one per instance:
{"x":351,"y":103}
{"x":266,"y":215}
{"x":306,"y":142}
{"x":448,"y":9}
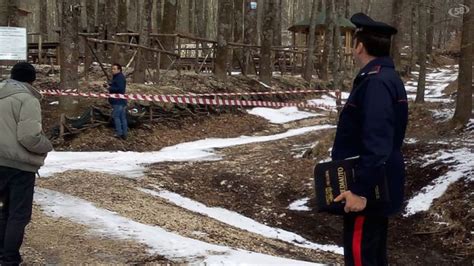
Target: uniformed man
{"x":372,"y":125}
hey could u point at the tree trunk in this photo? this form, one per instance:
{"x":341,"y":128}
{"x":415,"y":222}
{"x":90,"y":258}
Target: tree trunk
{"x":158,"y":15}
{"x":101,"y":16}
{"x":267,"y":39}
{"x":465,"y":91}
{"x":169,"y":26}
{"x":368,"y":7}
{"x":88,"y":57}
{"x":69,"y":43}
{"x":309,"y":65}
{"x":413,"y":35}
{"x":422,"y":18}
{"x":4,"y":12}
{"x":224,"y":35}
{"x":277,"y":23}
{"x":347,"y":10}
{"x":133,"y":18}
{"x":397,"y":38}
{"x":118,"y":55}
{"x":191,"y":17}
{"x":430,"y":29}
{"x":327,"y":40}
{"x":111,"y":22}
{"x":141,"y":62}
{"x":250,"y":36}
{"x":43,"y":26}
{"x":337,"y":71}
{"x":201,"y":26}
{"x":237,"y":57}
{"x":13,"y":17}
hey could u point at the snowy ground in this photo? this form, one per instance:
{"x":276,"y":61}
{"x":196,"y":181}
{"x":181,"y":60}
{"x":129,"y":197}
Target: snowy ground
{"x":176,"y":247}
{"x":436,"y":81}
{"x":170,"y":245}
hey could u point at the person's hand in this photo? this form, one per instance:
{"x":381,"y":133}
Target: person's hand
{"x":354,"y":203}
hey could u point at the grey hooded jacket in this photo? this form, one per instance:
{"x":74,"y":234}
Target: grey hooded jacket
{"x":22,"y":142}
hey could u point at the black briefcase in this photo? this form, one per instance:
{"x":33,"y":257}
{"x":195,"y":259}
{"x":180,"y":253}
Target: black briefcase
{"x":333,"y":178}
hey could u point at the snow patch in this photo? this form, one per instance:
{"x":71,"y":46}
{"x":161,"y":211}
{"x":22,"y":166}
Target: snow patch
{"x":132,"y":164}
{"x":282,"y":115}
{"x":159,"y":241}
{"x":463,"y":160}
{"x":240,"y":221}
{"x":299,"y":205}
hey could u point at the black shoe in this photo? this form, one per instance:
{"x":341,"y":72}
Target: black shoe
{"x":117,"y":136}
{"x":124,"y":137}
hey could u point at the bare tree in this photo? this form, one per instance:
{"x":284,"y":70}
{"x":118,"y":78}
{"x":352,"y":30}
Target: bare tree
{"x":101,"y":17}
{"x":336,"y":57}
{"x":201,"y":25}
{"x":43,"y":25}
{"x":169,"y":26}
{"x":145,"y":30}
{"x":90,"y":14}
{"x":13,"y":18}
{"x":309,"y":65}
{"x":267,"y":39}
{"x":158,"y":15}
{"x":367,"y":5}
{"x":328,"y":33}
{"x":4,"y":12}
{"x":397,"y":38}
{"x":277,"y":23}
{"x":224,"y":35}
{"x":191,"y":16}
{"x":250,"y":36}
{"x":422,"y":17}
{"x":465,"y":90}
{"x":111,"y":22}
{"x":413,"y":34}
{"x":237,"y":58}
{"x":430,"y":28}
{"x":118,"y":53}
{"x":69,"y":41}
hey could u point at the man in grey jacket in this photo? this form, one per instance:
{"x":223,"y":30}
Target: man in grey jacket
{"x":23,"y":149}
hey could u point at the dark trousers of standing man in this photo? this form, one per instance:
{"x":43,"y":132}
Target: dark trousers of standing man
{"x":365,"y":240}
{"x":16,"y":200}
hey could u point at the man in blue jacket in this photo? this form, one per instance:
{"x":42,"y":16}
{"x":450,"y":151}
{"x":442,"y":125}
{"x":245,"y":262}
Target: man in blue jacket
{"x":119,"y":106}
{"x":372,"y":126}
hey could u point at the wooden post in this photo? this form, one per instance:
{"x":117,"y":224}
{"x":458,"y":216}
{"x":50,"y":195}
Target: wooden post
{"x":62,"y":121}
{"x":40,"y":49}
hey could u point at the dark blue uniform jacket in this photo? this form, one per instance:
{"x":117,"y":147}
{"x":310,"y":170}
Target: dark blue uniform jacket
{"x":372,"y":125}
{"x":117,"y":85}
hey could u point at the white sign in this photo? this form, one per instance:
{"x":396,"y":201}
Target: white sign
{"x":253,"y":5}
{"x":13,"y":44}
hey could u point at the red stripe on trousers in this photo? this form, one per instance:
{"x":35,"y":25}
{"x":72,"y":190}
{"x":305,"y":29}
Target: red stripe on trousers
{"x":357,"y":240}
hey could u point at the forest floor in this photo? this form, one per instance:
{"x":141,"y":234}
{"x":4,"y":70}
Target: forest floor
{"x":228,"y":186}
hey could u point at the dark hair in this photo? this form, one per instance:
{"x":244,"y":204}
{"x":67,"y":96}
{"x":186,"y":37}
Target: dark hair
{"x":24,"y":72}
{"x":375,"y":44}
{"x":118,"y":66}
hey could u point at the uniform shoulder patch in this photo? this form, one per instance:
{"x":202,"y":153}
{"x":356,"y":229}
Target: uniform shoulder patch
{"x":374,"y":70}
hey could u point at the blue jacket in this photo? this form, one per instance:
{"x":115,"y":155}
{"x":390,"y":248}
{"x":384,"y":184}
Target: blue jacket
{"x":372,"y":125}
{"x":118,"y":85}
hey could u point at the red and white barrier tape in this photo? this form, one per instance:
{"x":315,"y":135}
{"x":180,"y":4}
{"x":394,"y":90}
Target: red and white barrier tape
{"x":222,"y":93}
{"x":186,"y":100}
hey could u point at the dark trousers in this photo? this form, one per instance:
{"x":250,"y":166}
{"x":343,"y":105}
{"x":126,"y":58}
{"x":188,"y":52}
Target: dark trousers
{"x":16,"y":200}
{"x":119,"y":114}
{"x":365,"y":240}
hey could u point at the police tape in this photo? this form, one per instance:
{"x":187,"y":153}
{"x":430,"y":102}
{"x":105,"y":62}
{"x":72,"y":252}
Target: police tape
{"x":188,"y":100}
{"x":222,"y":94}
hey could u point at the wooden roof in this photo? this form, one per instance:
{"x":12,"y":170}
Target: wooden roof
{"x":303,"y":26}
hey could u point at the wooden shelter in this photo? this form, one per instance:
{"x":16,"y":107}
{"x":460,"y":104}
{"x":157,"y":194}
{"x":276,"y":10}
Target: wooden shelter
{"x":301,"y":29}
